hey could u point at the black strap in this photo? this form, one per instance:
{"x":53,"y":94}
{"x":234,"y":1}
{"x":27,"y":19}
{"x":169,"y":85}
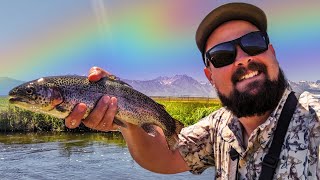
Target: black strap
{"x":270,"y":160}
{"x":235,"y":156}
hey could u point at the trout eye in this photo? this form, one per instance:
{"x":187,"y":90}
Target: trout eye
{"x":29,"y":90}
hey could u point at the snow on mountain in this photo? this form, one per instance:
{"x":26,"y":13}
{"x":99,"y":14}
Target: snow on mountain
{"x":313,"y":87}
{"x":183,"y":85}
{"x":178,"y":85}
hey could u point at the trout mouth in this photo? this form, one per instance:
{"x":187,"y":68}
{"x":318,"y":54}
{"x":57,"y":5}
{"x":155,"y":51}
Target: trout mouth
{"x":16,"y":100}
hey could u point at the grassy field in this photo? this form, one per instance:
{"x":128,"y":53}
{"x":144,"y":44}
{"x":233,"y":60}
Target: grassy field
{"x":3,"y":103}
{"x":16,"y":119}
{"x":187,"y":110}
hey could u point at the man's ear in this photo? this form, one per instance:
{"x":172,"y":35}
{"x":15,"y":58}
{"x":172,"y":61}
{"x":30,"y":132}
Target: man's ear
{"x":272,"y":49}
{"x":208,"y":74}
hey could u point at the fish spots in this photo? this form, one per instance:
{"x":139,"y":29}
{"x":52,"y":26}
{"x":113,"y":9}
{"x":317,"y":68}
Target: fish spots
{"x":64,"y":92}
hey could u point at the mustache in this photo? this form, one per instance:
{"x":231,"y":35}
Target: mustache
{"x":243,"y":104}
{"x":252,"y":66}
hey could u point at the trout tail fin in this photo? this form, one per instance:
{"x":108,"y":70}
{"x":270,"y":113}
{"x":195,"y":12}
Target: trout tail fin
{"x":172,"y":139}
{"x":179,"y":126}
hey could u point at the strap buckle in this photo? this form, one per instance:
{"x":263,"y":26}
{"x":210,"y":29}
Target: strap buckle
{"x":270,"y":161}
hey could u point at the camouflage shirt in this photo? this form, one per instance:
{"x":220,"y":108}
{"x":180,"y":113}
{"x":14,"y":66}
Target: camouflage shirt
{"x":208,"y":142}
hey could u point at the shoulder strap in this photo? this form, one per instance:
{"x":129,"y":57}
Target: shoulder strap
{"x":270,"y":160}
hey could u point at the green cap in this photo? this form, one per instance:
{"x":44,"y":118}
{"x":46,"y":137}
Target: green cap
{"x":228,"y":12}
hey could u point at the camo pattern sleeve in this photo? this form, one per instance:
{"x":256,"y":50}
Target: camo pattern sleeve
{"x":208,"y":143}
{"x":312,"y":104}
{"x":196,"y":143}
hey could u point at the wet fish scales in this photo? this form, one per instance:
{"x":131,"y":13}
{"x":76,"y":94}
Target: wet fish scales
{"x":58,"y":95}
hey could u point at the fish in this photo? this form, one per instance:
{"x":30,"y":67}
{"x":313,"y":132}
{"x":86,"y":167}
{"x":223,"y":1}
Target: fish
{"x":58,"y":95}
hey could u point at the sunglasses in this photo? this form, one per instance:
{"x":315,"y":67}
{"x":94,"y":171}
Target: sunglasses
{"x":223,"y":54}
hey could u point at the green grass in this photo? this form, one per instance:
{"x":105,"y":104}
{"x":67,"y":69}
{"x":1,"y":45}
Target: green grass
{"x":17,"y":119}
{"x":3,"y":103}
{"x":188,"y":111}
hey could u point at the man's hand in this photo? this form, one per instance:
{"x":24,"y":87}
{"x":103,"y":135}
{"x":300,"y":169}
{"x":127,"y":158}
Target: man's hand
{"x":151,"y":152}
{"x":102,"y":115}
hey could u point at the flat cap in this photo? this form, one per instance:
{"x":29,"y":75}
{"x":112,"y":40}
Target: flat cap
{"x":228,"y":12}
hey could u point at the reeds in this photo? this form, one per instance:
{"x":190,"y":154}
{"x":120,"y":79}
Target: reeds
{"x":17,"y":119}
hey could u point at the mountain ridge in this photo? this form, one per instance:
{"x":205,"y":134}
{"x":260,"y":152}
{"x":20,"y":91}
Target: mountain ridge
{"x":7,"y":83}
{"x":177,"y":85}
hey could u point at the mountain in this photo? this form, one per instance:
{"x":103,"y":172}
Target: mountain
{"x":183,"y":85}
{"x":178,"y":85}
{"x":313,"y":87}
{"x":6,"y":84}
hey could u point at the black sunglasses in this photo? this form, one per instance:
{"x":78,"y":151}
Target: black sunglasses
{"x":225,"y":53}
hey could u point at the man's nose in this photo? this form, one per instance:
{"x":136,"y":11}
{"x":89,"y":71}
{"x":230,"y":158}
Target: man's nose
{"x":242,"y":58}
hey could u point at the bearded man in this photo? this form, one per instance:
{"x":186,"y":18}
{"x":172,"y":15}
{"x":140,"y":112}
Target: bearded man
{"x":263,"y":130}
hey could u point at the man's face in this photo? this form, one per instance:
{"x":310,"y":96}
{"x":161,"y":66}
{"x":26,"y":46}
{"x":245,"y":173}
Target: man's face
{"x":244,"y":82}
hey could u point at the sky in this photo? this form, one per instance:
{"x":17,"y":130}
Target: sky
{"x":140,"y":39}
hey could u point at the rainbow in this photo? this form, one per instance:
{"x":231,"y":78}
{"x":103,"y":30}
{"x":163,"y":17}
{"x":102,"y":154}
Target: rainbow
{"x":142,"y":40}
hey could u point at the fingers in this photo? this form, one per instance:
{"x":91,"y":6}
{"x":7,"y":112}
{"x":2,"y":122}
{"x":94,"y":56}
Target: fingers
{"x":94,"y":118}
{"x":102,"y":116}
{"x":107,"y":122}
{"x":96,"y":73}
{"x":75,"y":117}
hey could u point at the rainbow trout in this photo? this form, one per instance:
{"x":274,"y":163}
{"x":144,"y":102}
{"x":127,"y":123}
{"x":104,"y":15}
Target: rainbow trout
{"x":58,"y":95}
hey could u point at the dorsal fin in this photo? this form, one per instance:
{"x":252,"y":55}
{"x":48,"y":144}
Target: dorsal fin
{"x":161,"y":105}
{"x":116,"y":79}
{"x":112,"y":77}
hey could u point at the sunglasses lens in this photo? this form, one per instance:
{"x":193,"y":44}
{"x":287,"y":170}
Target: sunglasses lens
{"x":225,"y":53}
{"x":222,"y":55}
{"x":254,"y":43}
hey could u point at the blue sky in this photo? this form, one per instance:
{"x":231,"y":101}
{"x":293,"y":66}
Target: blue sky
{"x":139,"y":39}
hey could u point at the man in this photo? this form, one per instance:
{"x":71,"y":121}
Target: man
{"x":241,"y":64}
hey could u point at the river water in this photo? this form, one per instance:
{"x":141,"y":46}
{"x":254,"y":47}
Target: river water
{"x":74,"y":156}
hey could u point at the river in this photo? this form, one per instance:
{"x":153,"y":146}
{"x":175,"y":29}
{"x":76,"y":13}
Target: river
{"x":74,"y":156}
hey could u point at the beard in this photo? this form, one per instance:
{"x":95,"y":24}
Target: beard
{"x":246,"y":104}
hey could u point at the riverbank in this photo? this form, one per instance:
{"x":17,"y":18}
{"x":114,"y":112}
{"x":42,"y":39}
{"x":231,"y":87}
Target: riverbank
{"x":13,"y":119}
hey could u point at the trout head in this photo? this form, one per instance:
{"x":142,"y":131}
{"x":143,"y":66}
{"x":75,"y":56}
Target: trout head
{"x":37,"y":95}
